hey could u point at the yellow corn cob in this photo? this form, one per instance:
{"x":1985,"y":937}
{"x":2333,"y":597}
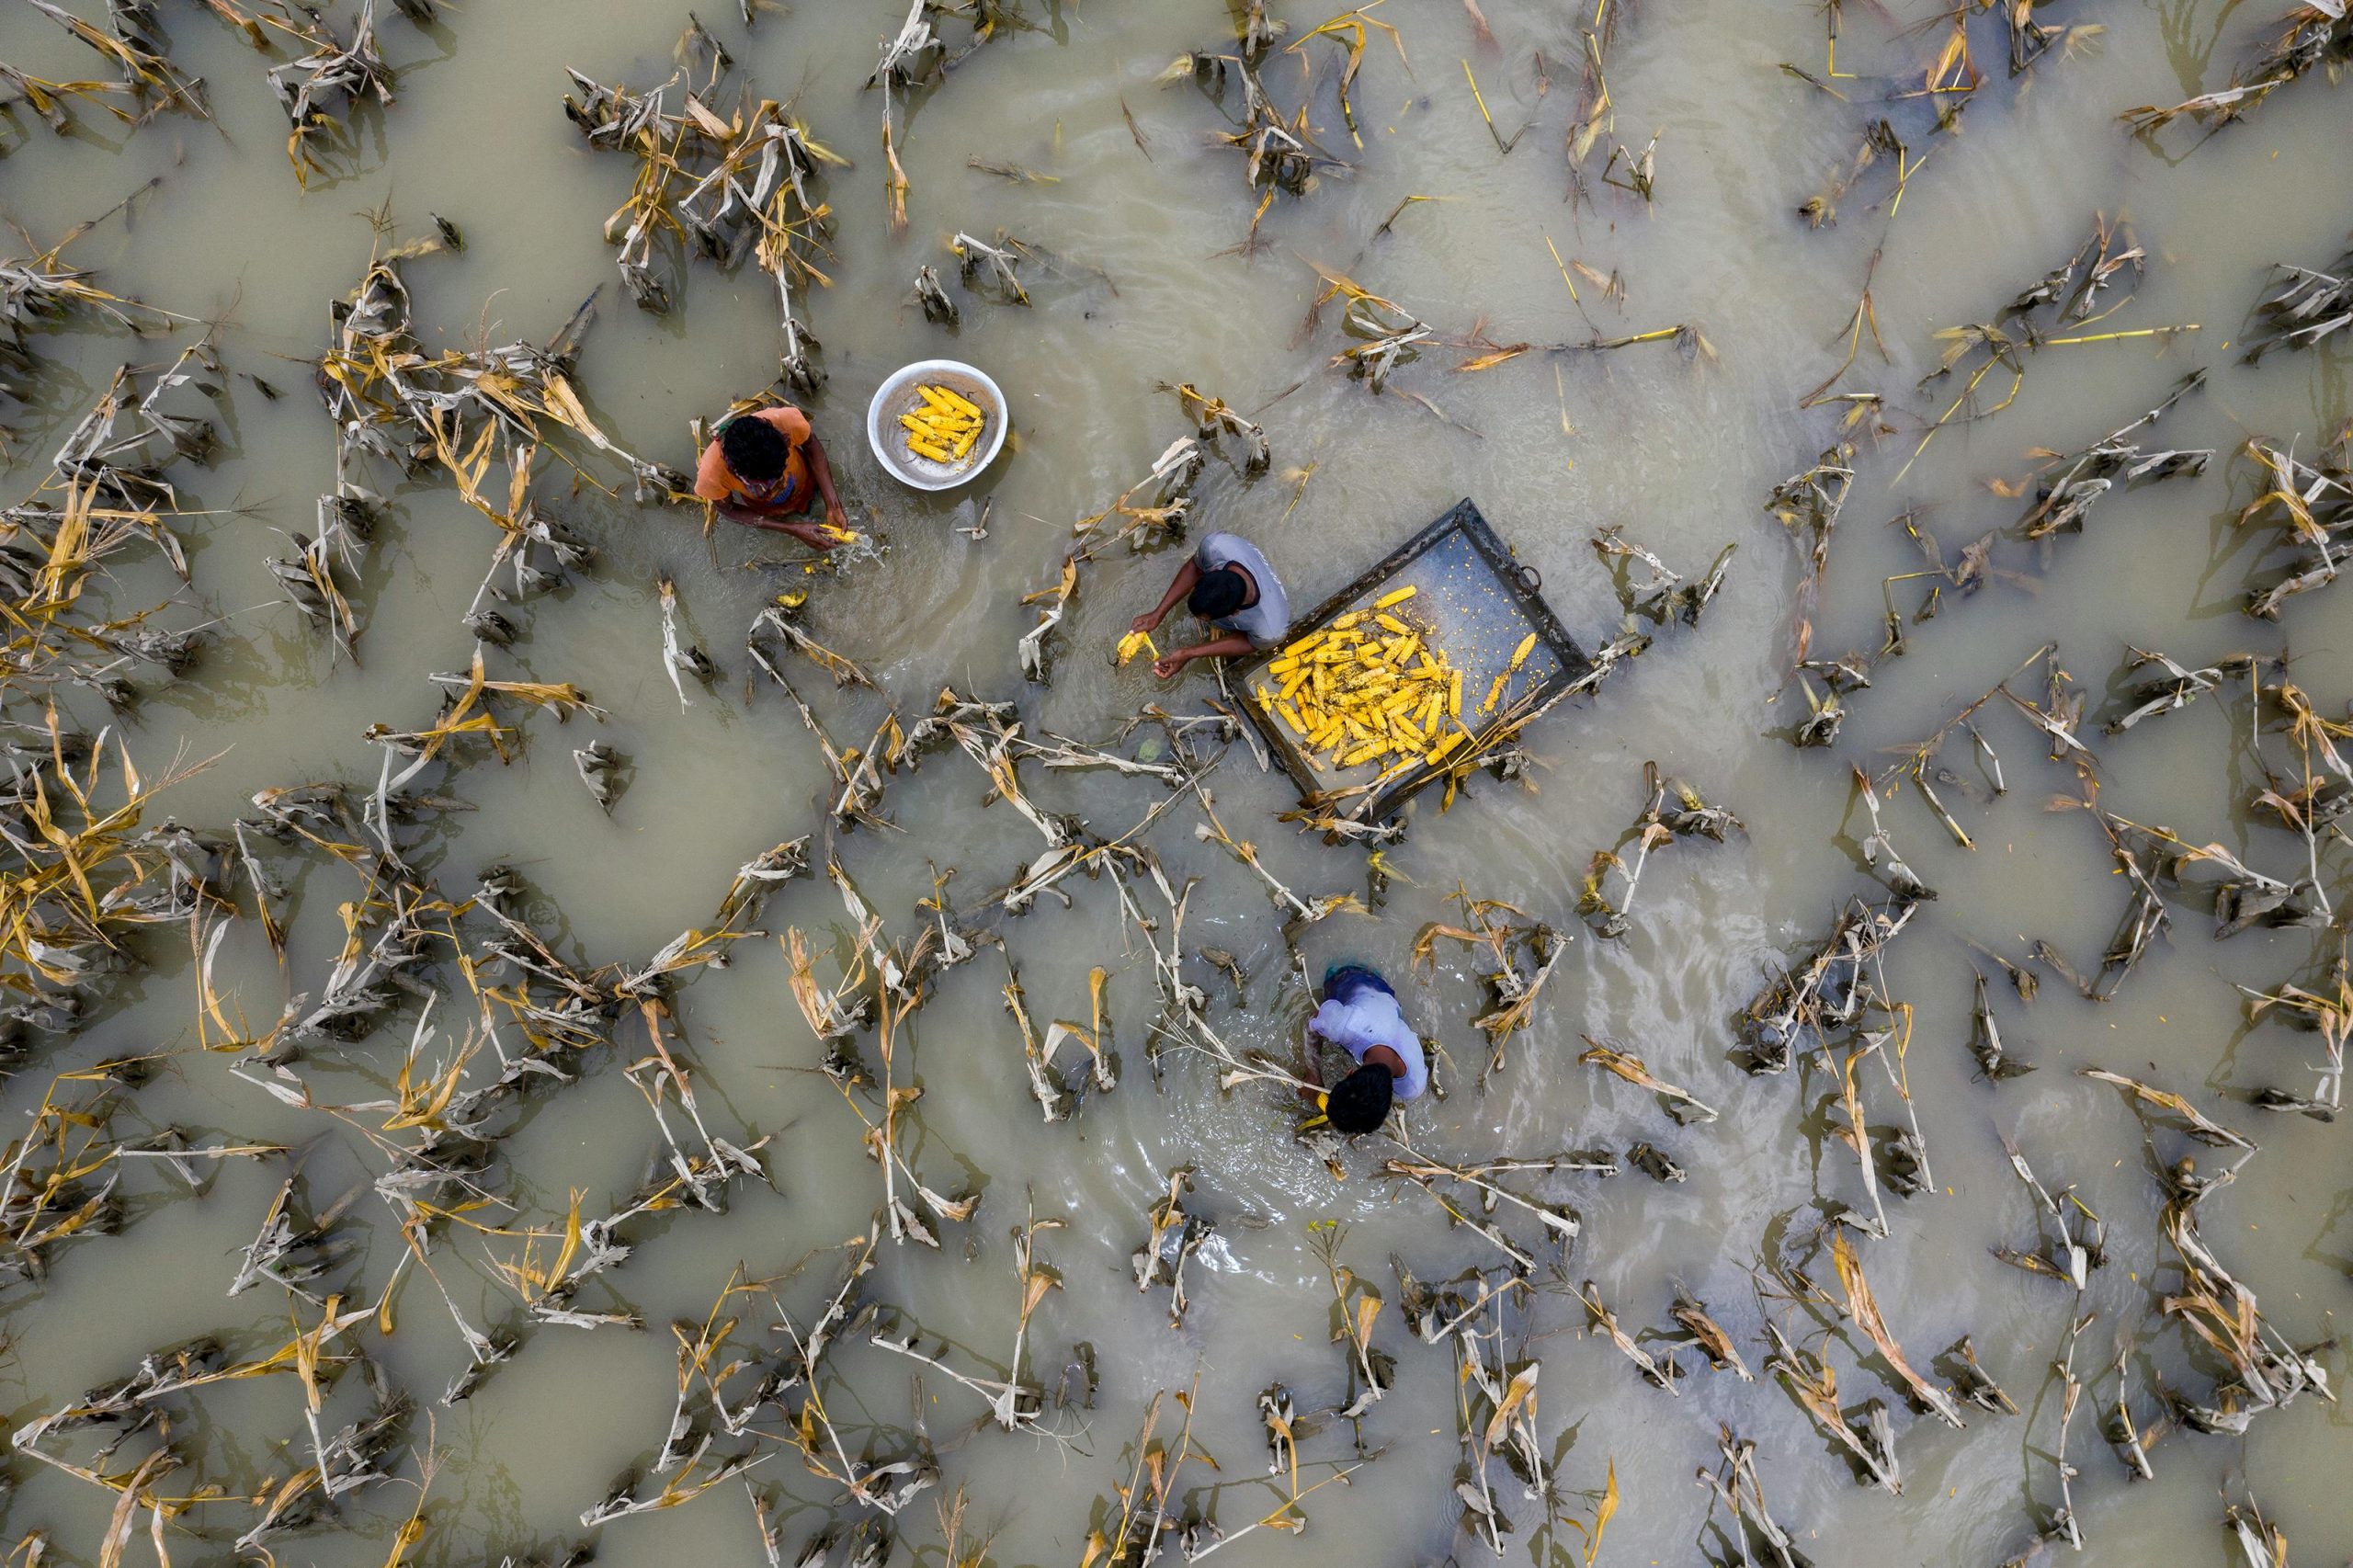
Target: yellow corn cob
{"x":964,"y":443}
{"x":922,"y":448}
{"x":1366,"y":685}
{"x":1495,"y":693}
{"x":946,"y":402}
{"x":959,"y":403}
{"x":1399,"y":598}
{"x":1437,"y":752}
{"x":1132,"y":643}
{"x":1519,"y":655}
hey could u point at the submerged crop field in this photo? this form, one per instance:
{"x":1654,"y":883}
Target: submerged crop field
{"x":542,"y":1024}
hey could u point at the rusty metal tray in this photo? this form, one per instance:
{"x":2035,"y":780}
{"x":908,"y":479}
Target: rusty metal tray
{"x":1480,"y":602}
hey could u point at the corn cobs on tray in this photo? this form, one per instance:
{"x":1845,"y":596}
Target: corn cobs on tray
{"x":1373,"y":687}
{"x":944,"y":427}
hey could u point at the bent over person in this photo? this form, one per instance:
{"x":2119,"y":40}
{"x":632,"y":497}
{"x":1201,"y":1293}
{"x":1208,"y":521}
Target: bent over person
{"x":1226,"y":584}
{"x":764,"y":467}
{"x":1361,"y":1015}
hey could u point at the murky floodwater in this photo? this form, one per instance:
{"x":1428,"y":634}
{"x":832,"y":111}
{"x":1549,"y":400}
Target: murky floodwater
{"x":1159,"y":283}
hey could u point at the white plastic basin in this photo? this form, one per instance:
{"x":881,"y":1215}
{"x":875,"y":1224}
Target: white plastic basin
{"x":897,"y":396}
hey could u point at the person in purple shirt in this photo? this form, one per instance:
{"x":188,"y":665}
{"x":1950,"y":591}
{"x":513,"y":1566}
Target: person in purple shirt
{"x":1359,"y":1014}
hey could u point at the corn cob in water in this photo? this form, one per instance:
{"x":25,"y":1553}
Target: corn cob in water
{"x":1519,"y":657}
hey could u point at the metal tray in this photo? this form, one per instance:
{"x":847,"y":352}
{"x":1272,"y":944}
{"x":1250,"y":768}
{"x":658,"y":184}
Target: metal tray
{"x":1481,"y":603}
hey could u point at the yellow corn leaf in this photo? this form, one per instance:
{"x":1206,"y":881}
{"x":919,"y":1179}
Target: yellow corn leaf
{"x":1367,"y":1309}
{"x":1521,"y":1392}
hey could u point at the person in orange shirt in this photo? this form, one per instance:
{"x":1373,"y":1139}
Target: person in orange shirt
{"x":766,"y":466}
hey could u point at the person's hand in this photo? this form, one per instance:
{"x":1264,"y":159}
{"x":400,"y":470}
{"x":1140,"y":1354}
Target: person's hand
{"x":1148,"y":621}
{"x":1168,"y":665}
{"x":835,"y":519}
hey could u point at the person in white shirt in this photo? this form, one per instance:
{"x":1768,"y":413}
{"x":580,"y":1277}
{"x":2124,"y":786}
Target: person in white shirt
{"x":1229,"y":585}
{"x":1360,"y":1015}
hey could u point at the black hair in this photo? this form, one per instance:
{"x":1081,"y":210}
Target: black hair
{"x":1359,"y":1102}
{"x":755,"y":450}
{"x":1220,"y":592}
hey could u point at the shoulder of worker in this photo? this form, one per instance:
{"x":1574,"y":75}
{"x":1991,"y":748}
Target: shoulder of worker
{"x":713,"y":482}
{"x":790,"y":422}
{"x":1416,"y":1076}
{"x":1359,"y":1023}
{"x":1270,"y":617}
{"x":1217,"y":549}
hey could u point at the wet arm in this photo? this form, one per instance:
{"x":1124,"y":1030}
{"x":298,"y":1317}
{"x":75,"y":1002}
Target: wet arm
{"x":823,"y":471}
{"x":809,"y":534}
{"x":1178,"y":586}
{"x":1233,"y":645}
{"x":1313,"y":1070}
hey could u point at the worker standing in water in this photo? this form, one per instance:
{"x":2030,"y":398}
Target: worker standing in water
{"x":1227,"y":584}
{"x":764,"y":467}
{"x":1361,"y":1015}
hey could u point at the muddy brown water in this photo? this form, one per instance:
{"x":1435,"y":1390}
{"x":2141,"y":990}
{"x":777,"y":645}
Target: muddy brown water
{"x":1680,"y":452}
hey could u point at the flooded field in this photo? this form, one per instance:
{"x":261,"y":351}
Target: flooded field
{"x":542,"y":1022}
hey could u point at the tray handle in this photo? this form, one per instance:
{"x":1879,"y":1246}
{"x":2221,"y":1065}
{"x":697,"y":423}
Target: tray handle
{"x":1529,"y":578}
